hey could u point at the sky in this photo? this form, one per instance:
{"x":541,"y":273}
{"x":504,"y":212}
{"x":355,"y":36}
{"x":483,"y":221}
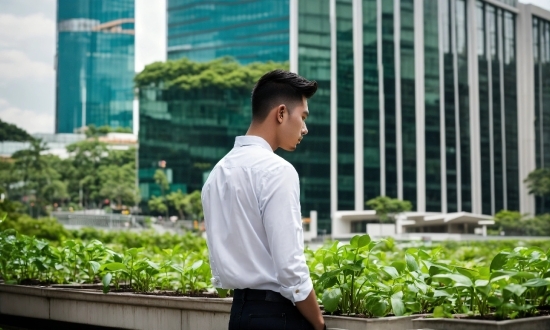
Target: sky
{"x":27,"y":51}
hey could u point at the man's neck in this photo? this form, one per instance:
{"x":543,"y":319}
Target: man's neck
{"x":266,"y":134}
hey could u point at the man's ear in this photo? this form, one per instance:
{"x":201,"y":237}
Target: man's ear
{"x":281,"y":109}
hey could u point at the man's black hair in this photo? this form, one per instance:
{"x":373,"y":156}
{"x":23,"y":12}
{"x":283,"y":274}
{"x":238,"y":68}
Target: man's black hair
{"x":279,"y":87}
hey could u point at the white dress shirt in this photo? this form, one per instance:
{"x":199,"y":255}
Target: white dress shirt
{"x":251,"y":203}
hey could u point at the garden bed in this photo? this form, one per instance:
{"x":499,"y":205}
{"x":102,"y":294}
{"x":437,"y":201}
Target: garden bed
{"x":528,"y":323}
{"x":139,"y":311}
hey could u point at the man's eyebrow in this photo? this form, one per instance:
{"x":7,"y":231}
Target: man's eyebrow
{"x":306,"y":112}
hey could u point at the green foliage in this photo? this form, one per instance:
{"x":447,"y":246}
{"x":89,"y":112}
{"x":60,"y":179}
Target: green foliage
{"x":538,"y":182}
{"x":162,"y":181}
{"x":387,"y":208}
{"x":182,"y":267}
{"x":178,"y":201}
{"x":157,"y":204}
{"x":44,"y":228}
{"x":194,"y":205}
{"x":93,"y":131}
{"x":359,"y":278}
{"x":10,"y":132}
{"x":118,"y":184}
{"x":223,"y":73}
{"x":516,"y":224}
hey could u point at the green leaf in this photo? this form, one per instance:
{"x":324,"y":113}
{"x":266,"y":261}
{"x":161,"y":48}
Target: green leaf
{"x":499,"y":261}
{"x":377,"y":306}
{"x":197,"y":264}
{"x":399,"y":265}
{"x":397,"y":305}
{"x":364,"y":240}
{"x":458,"y":278}
{"x":439,"y":312}
{"x":536,"y":282}
{"x":412,"y":265}
{"x":222,"y":292}
{"x":441,"y":293}
{"x":114,"y":266}
{"x":95,"y":266}
{"x":414,"y":307}
{"x":516,"y":289}
{"x":331,"y":299}
{"x":524,"y":275}
{"x":391,"y":271}
{"x":106,"y":282}
{"x":494,"y":301}
{"x":470,"y":273}
{"x":354,"y":242}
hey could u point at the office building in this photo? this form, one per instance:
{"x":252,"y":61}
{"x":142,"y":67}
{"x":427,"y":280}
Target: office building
{"x":94,"y":64}
{"x":444,"y":103}
{"x":248,"y":31}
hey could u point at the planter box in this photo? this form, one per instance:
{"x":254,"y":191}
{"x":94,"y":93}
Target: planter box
{"x":530,"y":323}
{"x":135,"y":311}
{"x":117,"y":310}
{"x":383,"y":323}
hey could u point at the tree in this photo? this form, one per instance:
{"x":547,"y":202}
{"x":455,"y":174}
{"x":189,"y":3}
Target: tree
{"x":157,"y":204}
{"x":162,"y":181}
{"x":179,"y":202}
{"x":387,"y":208}
{"x":118,"y":184}
{"x":194,"y":205}
{"x":8,"y":176}
{"x":10,"y":132}
{"x":538,"y":182}
{"x":223,"y":73}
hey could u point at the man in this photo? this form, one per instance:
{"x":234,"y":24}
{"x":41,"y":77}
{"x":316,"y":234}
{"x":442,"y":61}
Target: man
{"x":251,"y":203}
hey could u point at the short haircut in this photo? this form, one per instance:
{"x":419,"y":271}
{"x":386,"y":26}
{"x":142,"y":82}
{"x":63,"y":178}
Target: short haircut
{"x":279,"y":87}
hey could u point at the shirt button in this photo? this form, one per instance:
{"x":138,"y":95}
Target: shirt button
{"x":297,"y":291}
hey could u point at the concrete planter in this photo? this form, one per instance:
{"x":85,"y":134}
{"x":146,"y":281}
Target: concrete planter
{"x":383,"y":323}
{"x":117,"y":310}
{"x":530,"y":323}
{"x":134,"y":311}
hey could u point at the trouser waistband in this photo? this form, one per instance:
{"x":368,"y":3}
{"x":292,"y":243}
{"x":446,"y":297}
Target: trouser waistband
{"x":259,"y":295}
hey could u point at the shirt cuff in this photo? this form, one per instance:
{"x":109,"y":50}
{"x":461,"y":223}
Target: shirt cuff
{"x":298,"y":292}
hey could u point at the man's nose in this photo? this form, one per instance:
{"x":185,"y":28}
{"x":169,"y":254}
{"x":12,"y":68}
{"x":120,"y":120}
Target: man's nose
{"x":304,"y":129}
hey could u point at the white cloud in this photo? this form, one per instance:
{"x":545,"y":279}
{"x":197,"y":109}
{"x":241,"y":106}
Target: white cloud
{"x":150,"y":32}
{"x":15,"y":64}
{"x":541,"y":3}
{"x":14,"y":29}
{"x":40,"y":123}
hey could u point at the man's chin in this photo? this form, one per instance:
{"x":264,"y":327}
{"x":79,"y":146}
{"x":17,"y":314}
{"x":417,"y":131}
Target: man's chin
{"x":290,"y":149}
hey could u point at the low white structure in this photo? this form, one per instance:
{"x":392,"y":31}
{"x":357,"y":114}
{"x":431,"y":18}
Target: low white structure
{"x":310,"y":226}
{"x":346,"y":224}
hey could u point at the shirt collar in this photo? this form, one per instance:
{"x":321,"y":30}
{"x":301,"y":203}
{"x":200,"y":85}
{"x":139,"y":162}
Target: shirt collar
{"x":251,"y":140}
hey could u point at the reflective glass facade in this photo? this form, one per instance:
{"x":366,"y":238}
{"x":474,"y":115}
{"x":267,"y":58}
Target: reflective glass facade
{"x":94,"y":64}
{"x":312,"y":159}
{"x":190,"y":131}
{"x":345,"y":116}
{"x":408,"y":99}
{"x":371,"y":102}
{"x":459,"y":96}
{"x":496,"y":52}
{"x":541,"y":52}
{"x":432,"y":108}
{"x":249,"y":31}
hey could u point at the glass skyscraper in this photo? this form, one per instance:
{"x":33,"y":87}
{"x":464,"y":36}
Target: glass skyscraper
{"x":249,"y":31}
{"x":94,"y":63}
{"x":444,"y":103}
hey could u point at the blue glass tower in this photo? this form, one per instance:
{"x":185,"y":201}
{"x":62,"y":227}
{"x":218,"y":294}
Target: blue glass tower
{"x":95,"y":63}
{"x":249,"y":31}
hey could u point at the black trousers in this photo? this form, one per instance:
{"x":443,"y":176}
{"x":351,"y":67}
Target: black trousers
{"x":265,"y":310}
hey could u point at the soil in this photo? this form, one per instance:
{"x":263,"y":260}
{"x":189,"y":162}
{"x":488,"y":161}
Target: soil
{"x":543,"y":311}
{"x":170,"y":293}
{"x":33,"y":282}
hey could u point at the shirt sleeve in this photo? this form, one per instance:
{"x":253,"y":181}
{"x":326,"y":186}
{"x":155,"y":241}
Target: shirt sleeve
{"x":280,"y":207}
